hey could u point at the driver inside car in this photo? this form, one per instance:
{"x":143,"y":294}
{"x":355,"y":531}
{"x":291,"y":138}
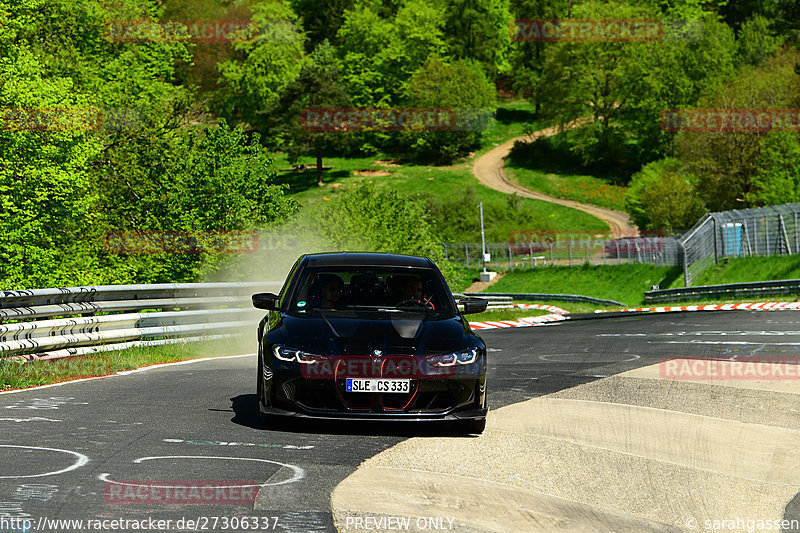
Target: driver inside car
{"x":327,"y":291}
{"x":408,"y":290}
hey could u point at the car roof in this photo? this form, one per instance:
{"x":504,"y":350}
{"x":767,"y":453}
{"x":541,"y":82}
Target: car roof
{"x":365,"y":259}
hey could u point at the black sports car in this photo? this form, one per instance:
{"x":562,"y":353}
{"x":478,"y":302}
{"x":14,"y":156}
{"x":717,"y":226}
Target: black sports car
{"x":372,"y":337}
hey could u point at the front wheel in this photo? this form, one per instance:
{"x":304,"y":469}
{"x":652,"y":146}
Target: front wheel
{"x":264,"y":419}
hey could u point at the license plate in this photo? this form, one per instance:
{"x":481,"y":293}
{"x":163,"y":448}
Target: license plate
{"x":378,"y":385}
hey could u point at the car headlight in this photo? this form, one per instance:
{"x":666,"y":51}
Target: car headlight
{"x":464,"y":357}
{"x":293,"y":356}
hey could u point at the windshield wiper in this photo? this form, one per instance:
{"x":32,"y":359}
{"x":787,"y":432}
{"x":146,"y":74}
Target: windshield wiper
{"x":373,"y":308}
{"x":328,"y":322}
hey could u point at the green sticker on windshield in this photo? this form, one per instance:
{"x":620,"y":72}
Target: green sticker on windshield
{"x":301,"y":303}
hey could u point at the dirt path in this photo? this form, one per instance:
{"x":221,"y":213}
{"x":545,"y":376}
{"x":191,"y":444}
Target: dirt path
{"x":489,"y":170}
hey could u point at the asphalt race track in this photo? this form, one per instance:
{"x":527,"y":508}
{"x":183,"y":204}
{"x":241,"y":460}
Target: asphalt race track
{"x":77,"y":451}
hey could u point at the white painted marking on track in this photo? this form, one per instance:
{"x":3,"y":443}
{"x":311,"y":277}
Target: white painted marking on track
{"x":81,"y":460}
{"x":297,"y":472}
{"x":52,"y":402}
{"x":701,"y":333}
{"x":31,"y":419}
{"x":732,"y":343}
{"x":588,"y":358}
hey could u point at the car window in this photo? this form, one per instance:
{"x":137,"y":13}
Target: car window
{"x":369,"y":288}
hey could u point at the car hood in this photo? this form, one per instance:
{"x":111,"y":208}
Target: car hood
{"x":406,"y":334}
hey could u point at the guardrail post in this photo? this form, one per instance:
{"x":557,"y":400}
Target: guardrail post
{"x":747,"y":236}
{"x":604,"y":253}
{"x":716,"y":257}
{"x":796,"y":232}
{"x":682,"y":253}
{"x":785,"y":235}
{"x":530,"y":249}
{"x":510,"y":261}
{"x":551,"y":254}
{"x":766,"y":233}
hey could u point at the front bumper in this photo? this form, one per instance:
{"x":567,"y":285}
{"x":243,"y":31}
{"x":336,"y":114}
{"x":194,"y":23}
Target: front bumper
{"x":292,"y":391}
{"x":455,"y":416}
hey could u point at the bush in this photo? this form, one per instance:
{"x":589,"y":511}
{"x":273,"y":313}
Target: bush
{"x":461,"y":86}
{"x":662,"y":197}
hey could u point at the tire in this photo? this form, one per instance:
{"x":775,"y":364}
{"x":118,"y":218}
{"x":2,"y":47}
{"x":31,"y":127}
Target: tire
{"x":263,"y":419}
{"x":473,"y":426}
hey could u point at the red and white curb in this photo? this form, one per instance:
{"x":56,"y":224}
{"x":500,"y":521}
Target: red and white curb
{"x":559,"y":314}
{"x":520,"y":323}
{"x":760,"y":306}
{"x":552,"y":308}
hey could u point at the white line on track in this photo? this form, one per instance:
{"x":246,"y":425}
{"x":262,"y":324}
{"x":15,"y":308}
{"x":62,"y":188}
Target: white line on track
{"x":82,"y":460}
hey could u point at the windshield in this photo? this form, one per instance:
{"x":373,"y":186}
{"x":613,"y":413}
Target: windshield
{"x":369,"y":288}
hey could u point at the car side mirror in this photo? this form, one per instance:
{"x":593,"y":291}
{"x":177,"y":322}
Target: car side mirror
{"x":265,"y":300}
{"x":473,"y":305}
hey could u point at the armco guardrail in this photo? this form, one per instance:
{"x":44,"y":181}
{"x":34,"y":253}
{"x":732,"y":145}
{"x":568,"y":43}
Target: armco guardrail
{"x":179,"y":312}
{"x":756,"y":288}
{"x":541,"y":297}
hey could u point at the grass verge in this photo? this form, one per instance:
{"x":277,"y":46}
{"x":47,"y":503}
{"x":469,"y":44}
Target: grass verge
{"x":745,"y":269}
{"x":623,"y":283}
{"x":505,"y":314}
{"x":581,"y":188}
{"x":22,"y":375}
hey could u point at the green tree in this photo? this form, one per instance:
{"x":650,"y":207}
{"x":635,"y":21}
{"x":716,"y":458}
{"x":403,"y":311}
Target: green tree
{"x":527,"y":57}
{"x":662,"y":197}
{"x":460,"y":86}
{"x":756,"y":42}
{"x":251,"y":80}
{"x":478,"y":30}
{"x":777,"y":179}
{"x":380,"y":54}
{"x":625,"y":86}
{"x":321,"y":19}
{"x":317,"y":86}
{"x":725,"y":162}
{"x":46,"y":197}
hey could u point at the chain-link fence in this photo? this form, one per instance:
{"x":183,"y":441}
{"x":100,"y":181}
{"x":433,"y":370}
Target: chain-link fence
{"x":769,"y":230}
{"x":772,"y":230}
{"x":525,"y":254}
